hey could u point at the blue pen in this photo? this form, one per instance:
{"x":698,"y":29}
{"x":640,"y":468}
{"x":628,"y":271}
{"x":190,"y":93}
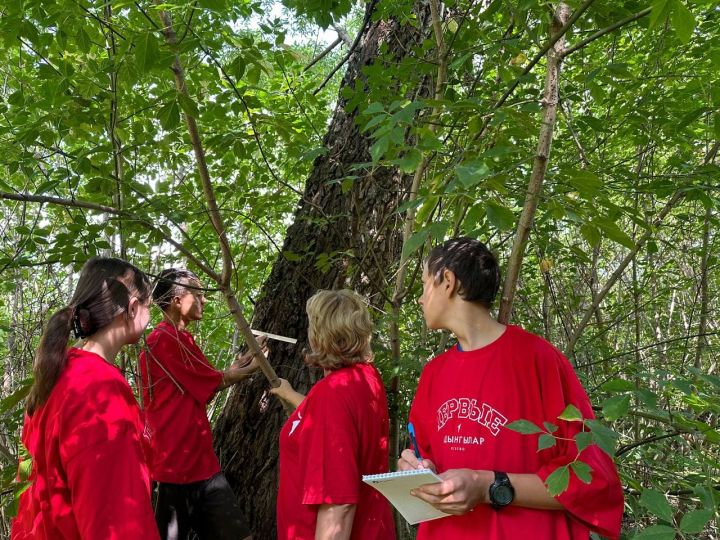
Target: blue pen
{"x":411,"y":431}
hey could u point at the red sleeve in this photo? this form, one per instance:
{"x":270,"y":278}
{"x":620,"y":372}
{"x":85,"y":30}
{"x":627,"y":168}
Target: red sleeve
{"x":106,"y":470}
{"x":420,"y":416}
{"x":599,"y":505}
{"x":179,"y":356}
{"x":330,"y":450}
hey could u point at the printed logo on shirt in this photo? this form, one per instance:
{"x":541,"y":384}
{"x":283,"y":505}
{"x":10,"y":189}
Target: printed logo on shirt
{"x":463,"y":440}
{"x":467,"y":408}
{"x":295,"y":424}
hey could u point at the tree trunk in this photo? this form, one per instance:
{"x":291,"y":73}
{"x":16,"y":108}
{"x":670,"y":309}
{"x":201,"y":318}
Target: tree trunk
{"x":338,"y":239}
{"x":551,"y":97}
{"x":704,"y":295}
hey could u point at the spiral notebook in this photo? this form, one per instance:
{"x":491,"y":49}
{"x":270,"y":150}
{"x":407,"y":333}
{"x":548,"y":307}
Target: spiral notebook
{"x":396,"y":486}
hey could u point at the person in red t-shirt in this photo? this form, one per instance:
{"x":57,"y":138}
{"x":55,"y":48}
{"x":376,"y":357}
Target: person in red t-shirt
{"x":177,"y":383}
{"x":82,"y":430}
{"x":337,"y":433}
{"x":493,"y":479}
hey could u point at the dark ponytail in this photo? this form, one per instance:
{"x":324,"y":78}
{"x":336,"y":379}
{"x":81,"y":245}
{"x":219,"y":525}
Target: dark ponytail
{"x":104,"y":290}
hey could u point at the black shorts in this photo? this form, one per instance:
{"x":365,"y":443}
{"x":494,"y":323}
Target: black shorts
{"x":207,"y":508}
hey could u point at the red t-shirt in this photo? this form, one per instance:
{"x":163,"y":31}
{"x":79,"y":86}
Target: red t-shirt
{"x":463,"y":401}
{"x":89,"y":474}
{"x":178,"y":382}
{"x":337,"y":434}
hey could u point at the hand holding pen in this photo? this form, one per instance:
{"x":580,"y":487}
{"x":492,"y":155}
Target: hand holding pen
{"x":411,"y":458}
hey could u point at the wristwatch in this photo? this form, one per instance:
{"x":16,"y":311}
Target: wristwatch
{"x":502,"y":492}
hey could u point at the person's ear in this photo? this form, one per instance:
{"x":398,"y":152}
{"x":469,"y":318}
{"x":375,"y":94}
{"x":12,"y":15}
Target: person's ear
{"x":449,"y":282}
{"x":132,"y":307}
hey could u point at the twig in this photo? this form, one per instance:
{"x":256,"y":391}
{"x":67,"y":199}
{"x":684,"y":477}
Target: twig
{"x":368,"y":15}
{"x":76,"y":203}
{"x":601,"y":33}
{"x":323,"y":54}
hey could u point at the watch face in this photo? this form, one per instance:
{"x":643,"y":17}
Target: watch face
{"x":502,"y":495}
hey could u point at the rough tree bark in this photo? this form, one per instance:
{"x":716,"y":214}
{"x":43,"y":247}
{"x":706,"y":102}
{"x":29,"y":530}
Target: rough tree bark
{"x":337,"y":240}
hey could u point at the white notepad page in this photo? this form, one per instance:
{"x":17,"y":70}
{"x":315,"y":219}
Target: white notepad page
{"x":396,"y":488}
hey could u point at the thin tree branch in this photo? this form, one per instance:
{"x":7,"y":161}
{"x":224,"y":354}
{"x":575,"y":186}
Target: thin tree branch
{"x":539,"y":56}
{"x":225,"y":279}
{"x":342,"y":34}
{"x":674,"y":200}
{"x":359,"y":36}
{"x":645,"y":347}
{"x":323,"y":54}
{"x":251,"y":122}
{"x":627,"y":447}
{"x":76,"y":203}
{"x":604,"y":31}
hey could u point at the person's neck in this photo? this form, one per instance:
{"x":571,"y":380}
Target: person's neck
{"x":473,"y":326}
{"x":105,"y":343}
{"x":174,"y":319}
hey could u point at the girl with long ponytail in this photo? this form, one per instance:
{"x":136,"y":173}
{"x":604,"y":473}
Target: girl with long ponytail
{"x":82,"y":429}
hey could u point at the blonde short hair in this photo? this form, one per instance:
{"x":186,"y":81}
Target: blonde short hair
{"x":339,"y":330}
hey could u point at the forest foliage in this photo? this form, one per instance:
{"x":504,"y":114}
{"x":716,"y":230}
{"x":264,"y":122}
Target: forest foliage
{"x":620,"y":270}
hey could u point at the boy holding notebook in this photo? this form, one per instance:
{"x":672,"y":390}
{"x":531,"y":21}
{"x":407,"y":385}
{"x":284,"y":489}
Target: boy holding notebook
{"x":493,"y":479}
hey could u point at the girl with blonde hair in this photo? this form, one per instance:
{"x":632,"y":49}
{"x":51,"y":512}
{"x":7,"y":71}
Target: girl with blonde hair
{"x":337,"y":433}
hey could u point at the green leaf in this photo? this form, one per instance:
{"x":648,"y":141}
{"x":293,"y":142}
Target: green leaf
{"x":571,"y":414}
{"x":410,"y":161}
{"x":694,"y":522}
{"x":683,"y":21}
{"x":438,"y":229}
{"x":414,"y":242}
{"x":16,"y":397}
{"x":659,"y":12}
{"x":618,"y":385}
{"x":217,"y":5}
{"x":188,"y":106}
{"x":524,"y":426}
{"x":657,"y":504}
{"x":614,"y":233}
{"x":83,"y":40}
{"x":374,"y":121}
{"x":546,"y":441}
{"x":558,"y":480}
{"x":656,"y":532}
{"x":146,"y":52}
{"x":472,"y":217}
{"x":590,"y":234}
{"x":583,"y":440}
{"x":379,"y":147}
{"x":472,"y":173}
{"x":25,"y":468}
{"x":616,"y":407}
{"x":551,"y":428}
{"x":500,"y":216}
{"x":237,"y":68}
{"x":373,"y":108}
{"x":582,"y":470}
{"x":603,"y":436}
{"x":587,"y":183}
{"x":169,"y":115}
